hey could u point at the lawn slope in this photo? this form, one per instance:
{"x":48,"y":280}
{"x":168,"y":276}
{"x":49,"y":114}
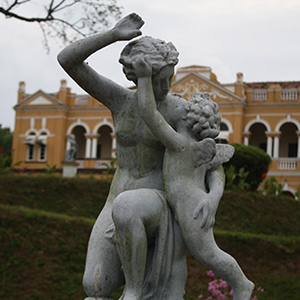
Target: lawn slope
{"x":46,"y":221}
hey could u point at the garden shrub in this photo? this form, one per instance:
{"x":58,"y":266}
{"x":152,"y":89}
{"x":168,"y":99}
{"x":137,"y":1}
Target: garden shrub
{"x":236,"y":179}
{"x":272,"y":187}
{"x":253,"y":161}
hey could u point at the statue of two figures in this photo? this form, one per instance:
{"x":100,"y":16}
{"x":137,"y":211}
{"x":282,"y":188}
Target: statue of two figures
{"x":169,"y":181}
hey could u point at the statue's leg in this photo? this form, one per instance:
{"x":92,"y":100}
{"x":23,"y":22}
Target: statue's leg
{"x":204,"y":248}
{"x":137,"y":215}
{"x":103,"y":272}
{"x":178,"y":276}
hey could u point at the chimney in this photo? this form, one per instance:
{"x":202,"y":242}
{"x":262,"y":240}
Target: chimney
{"x":63,"y":85}
{"x":239,"y":85}
{"x":240,"y":78}
{"x":63,"y":91}
{"x":21,"y":91}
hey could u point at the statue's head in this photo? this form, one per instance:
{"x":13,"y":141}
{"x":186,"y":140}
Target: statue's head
{"x":202,"y":116}
{"x":71,"y":136}
{"x":159,"y":53}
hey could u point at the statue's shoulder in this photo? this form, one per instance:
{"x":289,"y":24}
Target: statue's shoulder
{"x":177,"y":97}
{"x":223,"y":154}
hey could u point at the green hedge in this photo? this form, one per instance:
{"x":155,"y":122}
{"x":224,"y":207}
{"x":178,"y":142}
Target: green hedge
{"x":253,"y":160}
{"x":242,"y":212}
{"x":43,"y":257}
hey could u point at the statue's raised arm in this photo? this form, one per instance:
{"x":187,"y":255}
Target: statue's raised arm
{"x":148,"y":107}
{"x":73,"y":56}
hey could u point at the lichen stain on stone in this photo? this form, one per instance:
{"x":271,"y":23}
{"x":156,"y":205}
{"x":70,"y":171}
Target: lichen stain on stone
{"x":97,"y":279}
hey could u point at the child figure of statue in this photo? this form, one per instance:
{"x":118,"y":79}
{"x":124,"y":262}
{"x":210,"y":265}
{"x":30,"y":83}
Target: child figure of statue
{"x":193,"y":162}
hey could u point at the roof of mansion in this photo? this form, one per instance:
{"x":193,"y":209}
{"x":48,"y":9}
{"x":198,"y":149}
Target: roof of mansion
{"x":268,"y":84}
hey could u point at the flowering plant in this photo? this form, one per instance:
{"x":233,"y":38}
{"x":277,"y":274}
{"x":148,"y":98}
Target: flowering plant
{"x":220,"y":290}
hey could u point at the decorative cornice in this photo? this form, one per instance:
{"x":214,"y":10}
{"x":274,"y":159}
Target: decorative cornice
{"x":47,"y":96}
{"x":211,"y":83}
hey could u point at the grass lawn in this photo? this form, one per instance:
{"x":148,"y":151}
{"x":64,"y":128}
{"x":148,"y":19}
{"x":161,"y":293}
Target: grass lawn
{"x":45,"y":224}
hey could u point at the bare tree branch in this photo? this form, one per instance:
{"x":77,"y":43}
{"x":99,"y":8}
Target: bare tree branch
{"x":59,"y":4}
{"x":9,"y":14}
{"x":45,"y":40}
{"x":72,"y":26}
{"x":61,"y":20}
{"x":64,"y":7}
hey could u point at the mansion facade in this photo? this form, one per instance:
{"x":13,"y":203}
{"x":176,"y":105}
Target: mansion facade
{"x":263,"y":114}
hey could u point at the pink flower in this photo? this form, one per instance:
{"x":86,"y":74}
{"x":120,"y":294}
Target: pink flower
{"x":223,"y":284}
{"x":254,"y":298}
{"x":210,"y":273}
{"x":200,"y":296}
{"x":213,"y":285}
{"x":260,"y":289}
{"x":209,"y":298}
{"x":231,"y":293}
{"x":216,"y":292}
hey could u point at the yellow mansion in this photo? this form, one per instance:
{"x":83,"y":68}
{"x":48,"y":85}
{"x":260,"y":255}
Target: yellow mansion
{"x":263,"y":114}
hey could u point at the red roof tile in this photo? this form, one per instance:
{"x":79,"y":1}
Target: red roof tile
{"x":265,"y":85}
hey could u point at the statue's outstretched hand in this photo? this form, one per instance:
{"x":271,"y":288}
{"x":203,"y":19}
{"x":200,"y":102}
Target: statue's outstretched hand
{"x":207,"y":219}
{"x":128,"y":27}
{"x":142,"y":67}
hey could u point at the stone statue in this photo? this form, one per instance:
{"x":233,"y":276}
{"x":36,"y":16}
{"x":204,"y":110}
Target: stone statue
{"x":137,"y":237}
{"x":192,"y":160}
{"x":73,"y":147}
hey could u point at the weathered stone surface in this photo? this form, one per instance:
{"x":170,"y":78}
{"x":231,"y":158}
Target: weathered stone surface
{"x":70,"y":169}
{"x":169,"y":180}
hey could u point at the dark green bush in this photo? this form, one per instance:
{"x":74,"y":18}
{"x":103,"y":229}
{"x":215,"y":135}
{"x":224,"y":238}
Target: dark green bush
{"x":252,"y":160}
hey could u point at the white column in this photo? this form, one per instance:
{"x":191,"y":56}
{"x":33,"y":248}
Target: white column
{"x":113,"y":146}
{"x":276,"y":147}
{"x":94,"y":147}
{"x":246,"y":140}
{"x":269,"y":145}
{"x":32,"y":123}
{"x":88,"y":148}
{"x":44,"y":122}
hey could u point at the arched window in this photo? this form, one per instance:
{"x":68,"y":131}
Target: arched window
{"x":288,"y":140}
{"x":104,"y":146}
{"x":30,"y":142}
{"x":42,"y":152}
{"x":42,"y":143}
{"x":258,"y":136}
{"x":79,"y":132}
{"x":223,"y":137}
{"x":223,"y":127}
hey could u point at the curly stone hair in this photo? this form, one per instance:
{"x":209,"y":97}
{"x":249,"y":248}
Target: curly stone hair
{"x":158,"y":52}
{"x":203,"y":116}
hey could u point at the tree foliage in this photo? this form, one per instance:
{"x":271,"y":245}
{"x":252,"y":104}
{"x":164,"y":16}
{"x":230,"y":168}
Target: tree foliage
{"x":5,"y":149}
{"x":5,"y":140}
{"x":252,"y":160}
{"x":66,"y":20}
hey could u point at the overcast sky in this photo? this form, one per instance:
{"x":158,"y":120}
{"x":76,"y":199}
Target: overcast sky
{"x":260,"y":38}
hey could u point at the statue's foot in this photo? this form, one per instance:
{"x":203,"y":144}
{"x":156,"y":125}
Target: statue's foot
{"x":245,"y":293}
{"x":129,"y":296}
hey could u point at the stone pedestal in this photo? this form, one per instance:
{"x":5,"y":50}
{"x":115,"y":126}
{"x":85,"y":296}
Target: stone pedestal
{"x":69,"y":169}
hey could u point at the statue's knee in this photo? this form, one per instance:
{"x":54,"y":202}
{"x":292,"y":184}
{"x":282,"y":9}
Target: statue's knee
{"x":93,"y":283}
{"x":123,"y":212}
{"x":87,"y":283}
